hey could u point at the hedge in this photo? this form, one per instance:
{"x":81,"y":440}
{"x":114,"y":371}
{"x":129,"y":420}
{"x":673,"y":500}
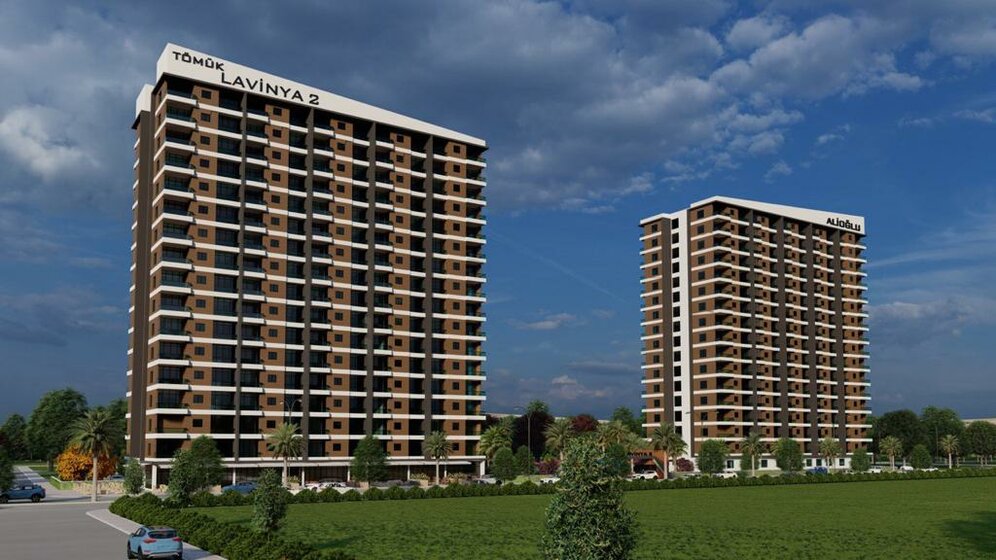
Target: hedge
{"x":230,"y":540}
{"x":331,"y":495}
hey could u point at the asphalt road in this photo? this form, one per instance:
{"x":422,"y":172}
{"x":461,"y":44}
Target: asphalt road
{"x":57,"y":530}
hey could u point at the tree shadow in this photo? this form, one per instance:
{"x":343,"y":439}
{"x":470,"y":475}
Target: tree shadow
{"x":978,"y":532}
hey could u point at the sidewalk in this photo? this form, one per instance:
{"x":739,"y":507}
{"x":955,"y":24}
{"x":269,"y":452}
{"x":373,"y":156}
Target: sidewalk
{"x":52,"y":494}
{"x":127,"y":526}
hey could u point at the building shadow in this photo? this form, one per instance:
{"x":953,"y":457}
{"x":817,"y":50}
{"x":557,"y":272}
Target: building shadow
{"x":977,"y":532}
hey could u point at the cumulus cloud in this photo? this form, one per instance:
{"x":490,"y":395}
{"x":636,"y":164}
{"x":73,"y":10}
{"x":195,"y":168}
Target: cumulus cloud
{"x":547,"y":323}
{"x":835,"y":135}
{"x":754,"y":32}
{"x":987,"y":116}
{"x":906,"y":323}
{"x":779,"y":169}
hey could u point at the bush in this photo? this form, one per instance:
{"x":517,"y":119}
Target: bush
{"x":788,"y":455}
{"x":683,"y":465}
{"x":860,"y":461}
{"x":369,"y":460}
{"x":548,"y":465}
{"x":74,"y":464}
{"x":712,"y":456}
{"x":920,"y":457}
{"x":269,"y":502}
{"x":503,"y":465}
{"x":134,"y":481}
{"x":524,"y":461}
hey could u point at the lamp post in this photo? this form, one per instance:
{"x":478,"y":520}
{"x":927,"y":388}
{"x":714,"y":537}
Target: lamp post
{"x":529,"y":428}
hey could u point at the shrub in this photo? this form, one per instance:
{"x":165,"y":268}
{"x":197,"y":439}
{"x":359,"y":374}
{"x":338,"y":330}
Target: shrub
{"x":503,"y":465}
{"x":712,"y":456}
{"x":373,"y":493}
{"x":74,"y":464}
{"x":369,"y":460}
{"x":134,"y":481}
{"x":920,"y":457}
{"x":524,"y":461}
{"x":269,"y":502}
{"x":860,"y":461}
{"x":788,"y":455}
{"x":548,"y":465}
{"x":683,"y":465}
{"x":330,"y":495}
{"x":306,"y":496}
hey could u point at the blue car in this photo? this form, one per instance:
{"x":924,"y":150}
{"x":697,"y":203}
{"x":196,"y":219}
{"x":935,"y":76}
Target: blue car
{"x":155,"y":542}
{"x":241,"y":488}
{"x":32,"y":492}
{"x":817,"y":470}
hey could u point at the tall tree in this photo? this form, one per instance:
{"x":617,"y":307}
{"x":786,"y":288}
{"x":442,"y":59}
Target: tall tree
{"x":665,"y":438}
{"x":51,"y":423}
{"x":939,"y":422}
{"x":369,"y":460}
{"x":269,"y":503}
{"x":95,"y":434}
{"x":612,"y":433}
{"x":438,"y":448}
{"x":14,"y":432}
{"x":6,"y":470}
{"x":587,"y":518}
{"x":503,"y":466}
{"x":584,"y":423}
{"x":524,"y":461}
{"x":903,"y":424}
{"x":788,"y":455}
{"x":950,"y":446}
{"x":494,"y":438}
{"x":712,"y":456}
{"x":632,"y":422}
{"x":980,"y":440}
{"x":892,"y":447}
{"x":117,"y":411}
{"x":285,"y":442}
{"x":205,"y":460}
{"x":537,"y":407}
{"x":558,"y":433}
{"x":751,"y":448}
{"x":528,"y":429}
{"x":830,"y":449}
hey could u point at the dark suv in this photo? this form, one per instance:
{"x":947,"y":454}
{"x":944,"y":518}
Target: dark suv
{"x":32,"y":492}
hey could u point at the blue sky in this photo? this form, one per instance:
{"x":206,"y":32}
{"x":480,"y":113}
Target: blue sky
{"x":598,"y":113}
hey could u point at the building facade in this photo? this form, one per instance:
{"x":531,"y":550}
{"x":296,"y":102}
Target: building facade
{"x":300,"y":257}
{"x":754,"y":320}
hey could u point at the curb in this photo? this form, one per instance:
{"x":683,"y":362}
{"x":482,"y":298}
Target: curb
{"x":127,"y":526}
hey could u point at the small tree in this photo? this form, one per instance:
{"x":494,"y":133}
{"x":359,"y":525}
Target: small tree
{"x":50,"y":426}
{"x":194,"y":469}
{"x":95,"y":434}
{"x":892,"y":447}
{"x":269,"y":502}
{"x":632,"y":422}
{"x":524,"y":461}
{"x":134,"y":481}
{"x":285,"y":442}
{"x":369,"y":460}
{"x":493,"y":439}
{"x":830,"y":450}
{"x":920,"y":457}
{"x":616,"y":460}
{"x":860,"y":460}
{"x":980,"y":439}
{"x":586,"y":519}
{"x":438,"y":448}
{"x":503,"y":465}
{"x":6,"y":470}
{"x":665,"y":438}
{"x":584,"y":423}
{"x":750,"y":449}
{"x":76,"y":464}
{"x":712,"y":456}
{"x":951,"y":447}
{"x":14,"y":430}
{"x":788,"y":455}
{"x":558,"y":433}
{"x":682,"y":464}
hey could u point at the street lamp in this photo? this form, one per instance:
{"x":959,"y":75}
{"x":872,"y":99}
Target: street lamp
{"x":529,"y":428}
{"x":288,"y":408}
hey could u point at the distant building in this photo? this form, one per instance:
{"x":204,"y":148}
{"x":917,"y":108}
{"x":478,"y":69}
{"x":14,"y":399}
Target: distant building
{"x":754,"y":319}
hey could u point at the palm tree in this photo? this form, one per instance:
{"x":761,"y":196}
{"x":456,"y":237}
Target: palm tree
{"x":285,"y":442}
{"x":830,"y":450}
{"x":665,"y":438}
{"x":493,"y":439}
{"x":752,"y":447}
{"x":893,"y":447}
{"x":950,"y":445}
{"x":612,"y":433}
{"x":438,"y":447}
{"x":95,"y":434}
{"x":557,"y":435}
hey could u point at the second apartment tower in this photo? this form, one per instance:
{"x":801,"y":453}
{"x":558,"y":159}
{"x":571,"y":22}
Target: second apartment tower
{"x":754,"y":321}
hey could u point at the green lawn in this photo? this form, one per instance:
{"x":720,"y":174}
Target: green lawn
{"x":895,"y":519}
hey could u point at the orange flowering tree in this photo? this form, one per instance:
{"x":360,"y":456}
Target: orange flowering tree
{"x":73,"y":464}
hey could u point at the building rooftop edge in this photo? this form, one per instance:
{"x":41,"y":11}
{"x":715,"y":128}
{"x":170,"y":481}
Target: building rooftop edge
{"x":821,"y":217}
{"x":181,"y":61}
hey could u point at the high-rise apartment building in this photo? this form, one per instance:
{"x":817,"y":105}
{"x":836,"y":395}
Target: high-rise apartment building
{"x":754,"y":320}
{"x":300,"y":257}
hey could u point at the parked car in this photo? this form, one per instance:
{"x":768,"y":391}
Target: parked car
{"x":406,"y":484}
{"x":817,"y":470}
{"x":116,"y":477}
{"x":486,"y":479}
{"x":875,"y":470}
{"x":32,"y":492}
{"x":246,"y":487}
{"x":906,"y":468}
{"x":725,"y":475}
{"x":155,"y":542}
{"x":320,"y":485}
{"x":644,"y":475}
{"x":550,"y":479}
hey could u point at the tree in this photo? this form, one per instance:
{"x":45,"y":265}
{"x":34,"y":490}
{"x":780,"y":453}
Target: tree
{"x":980,"y":439}
{"x":558,"y":433}
{"x":503,"y":465}
{"x":194,"y":469}
{"x":524,"y":461}
{"x":285,"y":442}
{"x":612,"y":433}
{"x":631,"y":421}
{"x":712,"y":456}
{"x":51,"y":423}
{"x":665,"y":438}
{"x":76,"y":464}
{"x":95,"y":434}
{"x":369,"y":460}
{"x":939,"y":422}
{"x":921,"y":458}
{"x":584,"y":423}
{"x":528,"y":429}
{"x":860,"y":461}
{"x":6,"y":470}
{"x":903,"y":424}
{"x":587,"y":519}
{"x":14,"y":432}
{"x":751,"y":448}
{"x":269,"y":502}
{"x":493,"y":439}
{"x":134,"y":480}
{"x":830,"y":449}
{"x":788,"y":455}
{"x":117,"y":411}
{"x":950,"y":446}
{"x":892,"y":447}
{"x":537,"y":407}
{"x":437,"y":447}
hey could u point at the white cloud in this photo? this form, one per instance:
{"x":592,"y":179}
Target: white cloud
{"x":754,"y":32}
{"x":916,"y":122}
{"x":547,"y":323}
{"x":779,"y":169}
{"x":987,"y":116}
{"x":565,"y":387}
{"x":34,"y":135}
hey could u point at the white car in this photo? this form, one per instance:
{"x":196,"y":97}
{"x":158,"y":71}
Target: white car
{"x":550,"y":479}
{"x":906,"y":468}
{"x":486,"y":479}
{"x":726,"y":475}
{"x":875,"y":470}
{"x":645,"y":475}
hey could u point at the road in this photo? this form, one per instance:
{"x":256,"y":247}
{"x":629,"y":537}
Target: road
{"x":66,"y":525}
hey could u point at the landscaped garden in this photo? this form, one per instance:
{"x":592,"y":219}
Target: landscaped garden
{"x":944,"y":518}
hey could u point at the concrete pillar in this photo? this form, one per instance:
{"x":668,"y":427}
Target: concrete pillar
{"x":349,"y":474}
{"x":233,"y":475}
{"x":408,"y":476}
{"x":480,"y":470}
{"x":155,"y":477}
{"x":303,"y":481}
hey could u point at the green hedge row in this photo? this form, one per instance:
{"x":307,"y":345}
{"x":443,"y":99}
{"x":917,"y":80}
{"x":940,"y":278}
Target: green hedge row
{"x":206,"y":499}
{"x":230,"y":540}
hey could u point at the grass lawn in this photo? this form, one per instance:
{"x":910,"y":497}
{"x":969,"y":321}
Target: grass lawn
{"x":39,"y":467}
{"x":892,"y":519}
